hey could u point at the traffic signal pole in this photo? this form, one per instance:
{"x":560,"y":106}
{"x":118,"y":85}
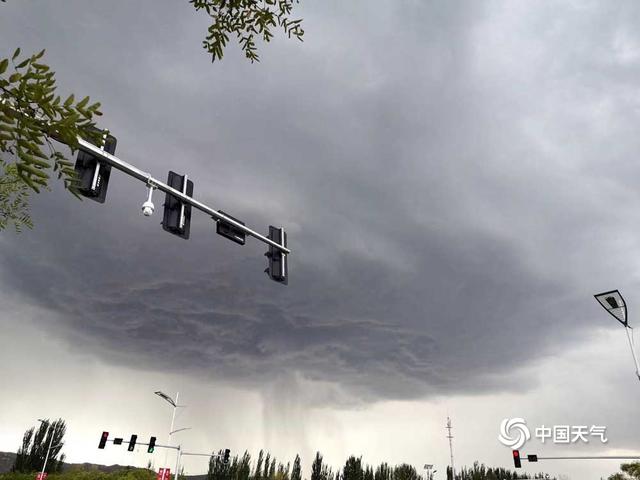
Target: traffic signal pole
{"x":181,"y":453}
{"x":517,"y":458}
{"x":152,"y":182}
{"x":157,"y":445}
{"x":604,"y":457}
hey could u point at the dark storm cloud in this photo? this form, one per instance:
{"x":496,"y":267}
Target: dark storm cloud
{"x":443,"y":217}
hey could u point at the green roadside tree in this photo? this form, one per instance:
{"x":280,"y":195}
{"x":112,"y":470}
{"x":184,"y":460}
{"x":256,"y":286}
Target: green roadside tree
{"x":296,"y":471}
{"x":383,"y":472}
{"x":31,"y":454}
{"x":316,"y":467}
{"x":630,"y":471}
{"x":405,"y":472}
{"x":352,"y":469}
{"x":257,"y":474}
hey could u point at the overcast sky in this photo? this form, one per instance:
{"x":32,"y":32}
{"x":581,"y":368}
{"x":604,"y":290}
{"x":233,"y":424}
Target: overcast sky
{"x":457,"y":179}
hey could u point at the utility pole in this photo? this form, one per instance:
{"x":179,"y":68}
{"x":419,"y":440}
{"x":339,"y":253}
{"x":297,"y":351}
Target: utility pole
{"x":450,"y":437}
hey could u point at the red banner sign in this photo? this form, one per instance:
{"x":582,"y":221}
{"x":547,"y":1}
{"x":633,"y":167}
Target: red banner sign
{"x":163,"y":474}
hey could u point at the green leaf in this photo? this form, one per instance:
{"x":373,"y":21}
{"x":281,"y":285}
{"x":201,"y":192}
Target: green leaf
{"x":69,"y":101}
{"x":82,"y":103}
{"x":3,"y":65}
{"x":16,"y":53}
{"x":23,"y":63}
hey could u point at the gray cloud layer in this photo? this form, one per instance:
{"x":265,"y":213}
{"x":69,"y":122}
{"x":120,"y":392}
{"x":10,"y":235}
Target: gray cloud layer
{"x":456,"y":179}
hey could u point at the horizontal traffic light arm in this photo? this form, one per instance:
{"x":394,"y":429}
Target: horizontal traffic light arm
{"x":157,"y":445}
{"x":149,"y":180}
{"x":146,"y":178}
{"x":604,"y":457}
{"x":212,"y":455}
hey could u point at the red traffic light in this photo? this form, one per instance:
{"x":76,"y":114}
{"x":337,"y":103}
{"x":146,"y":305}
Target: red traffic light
{"x":516,"y":459}
{"x":103,"y":439}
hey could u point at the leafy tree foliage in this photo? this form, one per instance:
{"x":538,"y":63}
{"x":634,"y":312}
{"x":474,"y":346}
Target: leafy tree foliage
{"x":31,"y":454}
{"x":247,"y":19}
{"x":267,"y":465}
{"x":352,"y":469}
{"x":283,"y":472}
{"x":257,"y":475}
{"x":630,"y":471}
{"x":14,"y":205}
{"x":383,"y":472}
{"x":296,"y":471}
{"x":316,"y":467}
{"x":405,"y":472}
{"x":31,"y":116}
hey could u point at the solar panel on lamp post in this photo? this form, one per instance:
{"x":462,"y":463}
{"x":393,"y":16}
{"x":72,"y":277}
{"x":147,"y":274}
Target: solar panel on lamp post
{"x":613,"y":302}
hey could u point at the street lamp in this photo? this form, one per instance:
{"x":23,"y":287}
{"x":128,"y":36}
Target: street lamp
{"x":46,"y":458}
{"x":613,"y":303}
{"x":175,"y":406}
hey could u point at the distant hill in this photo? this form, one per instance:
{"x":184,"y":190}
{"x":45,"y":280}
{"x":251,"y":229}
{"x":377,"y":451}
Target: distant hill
{"x":7,"y":460}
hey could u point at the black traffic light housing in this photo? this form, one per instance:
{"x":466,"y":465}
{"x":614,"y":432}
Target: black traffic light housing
{"x":152,"y":445}
{"x":516,"y":459}
{"x":132,"y":443}
{"x":229,"y":231}
{"x":225,"y":458}
{"x":103,"y":440}
{"x":174,"y":210}
{"x":93,"y":175}
{"x":278,"y":269}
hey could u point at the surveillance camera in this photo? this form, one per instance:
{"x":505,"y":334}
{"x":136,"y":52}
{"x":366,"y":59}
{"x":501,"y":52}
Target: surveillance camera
{"x":147,"y":208}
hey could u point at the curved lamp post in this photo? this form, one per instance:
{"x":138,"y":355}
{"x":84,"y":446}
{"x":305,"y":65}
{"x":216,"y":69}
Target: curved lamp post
{"x":46,"y":458}
{"x":174,"y":404}
{"x":613,"y":303}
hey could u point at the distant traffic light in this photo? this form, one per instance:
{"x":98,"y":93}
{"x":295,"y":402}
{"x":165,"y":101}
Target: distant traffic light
{"x":103,"y":440}
{"x":516,"y":459}
{"x":278,"y":269}
{"x":93,"y":175}
{"x":177,"y":215}
{"x":225,"y":459}
{"x":152,"y":445}
{"x":132,"y":443}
